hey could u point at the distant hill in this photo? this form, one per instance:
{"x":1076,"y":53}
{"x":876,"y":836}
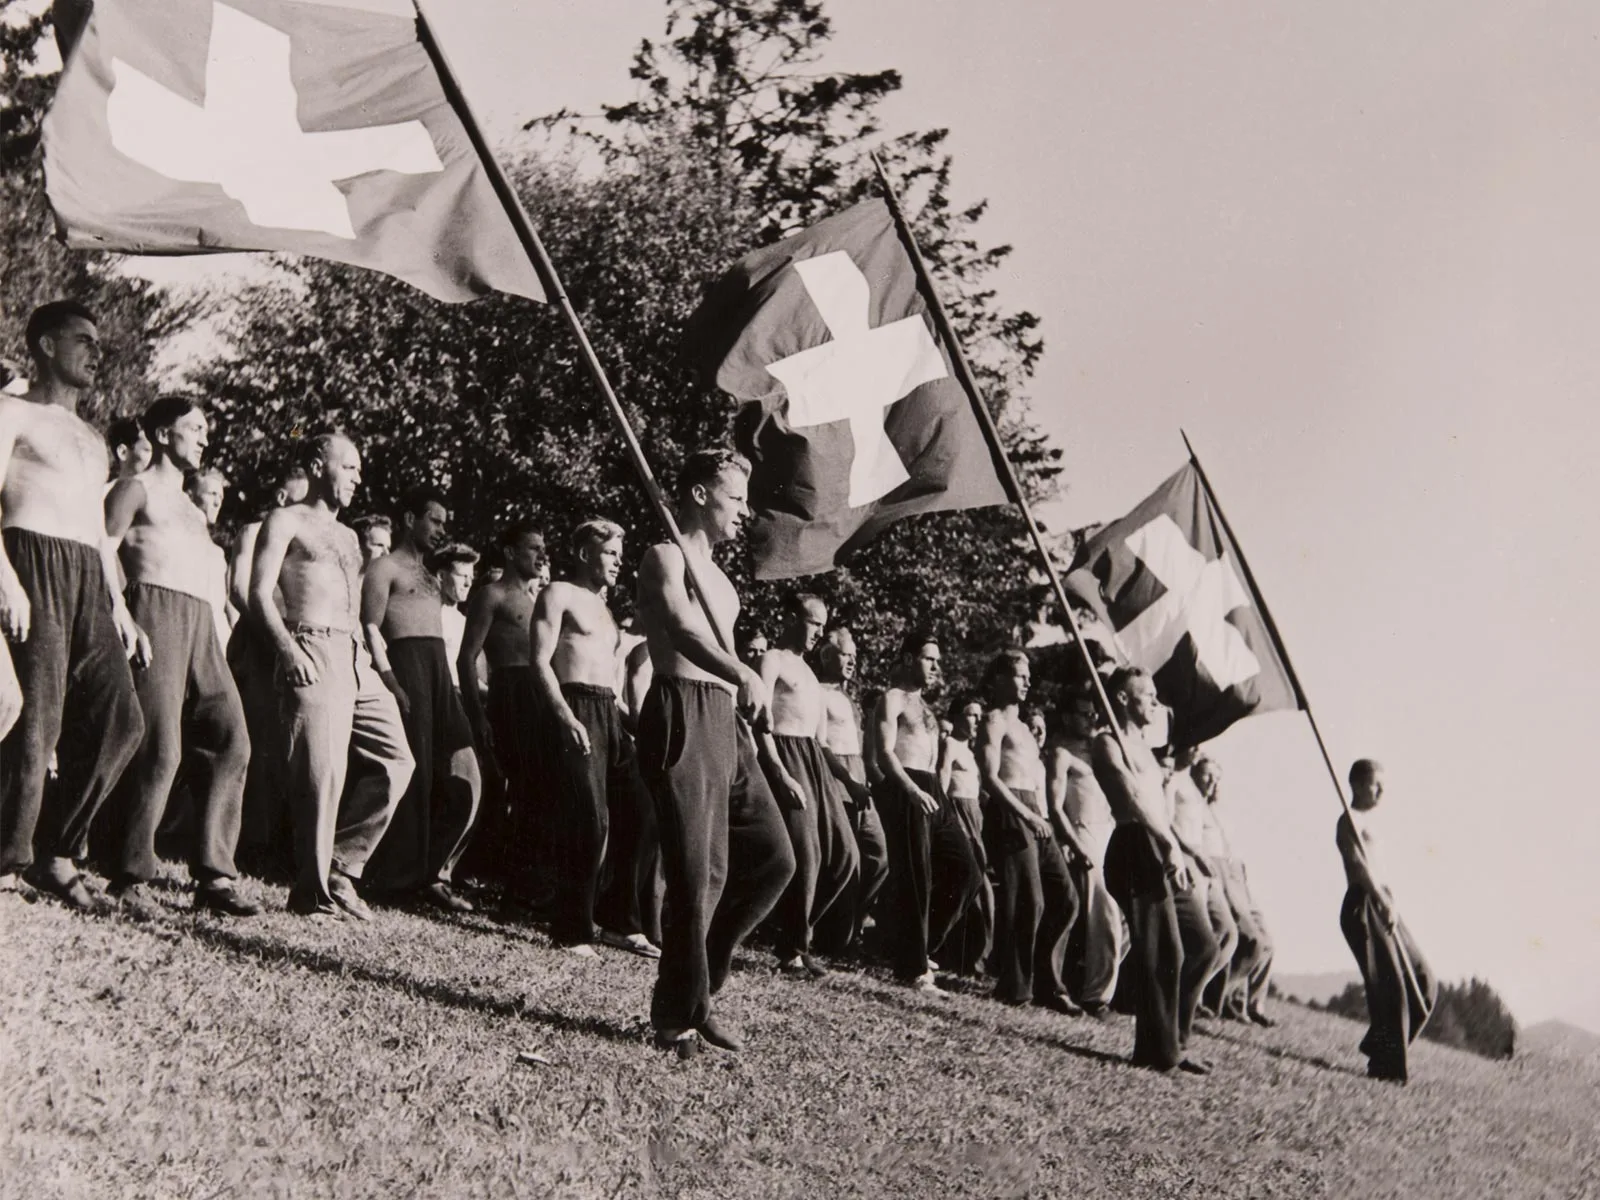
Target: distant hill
{"x":1319,"y":987}
{"x":1560,"y":1040}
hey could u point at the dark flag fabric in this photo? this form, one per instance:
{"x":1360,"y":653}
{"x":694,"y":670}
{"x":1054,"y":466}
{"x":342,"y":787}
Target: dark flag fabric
{"x":1170,"y":582}
{"x":853,"y":416}
{"x":194,"y":126}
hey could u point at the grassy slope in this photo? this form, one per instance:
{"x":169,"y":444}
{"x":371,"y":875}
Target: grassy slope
{"x":201,"y":1058}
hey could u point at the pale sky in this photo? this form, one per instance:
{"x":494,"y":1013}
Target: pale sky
{"x":1351,"y":249}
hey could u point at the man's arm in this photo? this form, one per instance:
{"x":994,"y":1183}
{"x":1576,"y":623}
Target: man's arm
{"x":480,"y":617}
{"x":244,"y":550}
{"x":122,"y":505}
{"x":991,"y":750}
{"x":767,"y":746}
{"x":635,"y":683}
{"x":277,"y":533}
{"x":1355,"y":858}
{"x":664,"y":591}
{"x":376,"y":585}
{"x":16,"y":611}
{"x":885,"y":734}
{"x":549,"y":614}
{"x":1117,"y":780}
{"x":1058,"y":766}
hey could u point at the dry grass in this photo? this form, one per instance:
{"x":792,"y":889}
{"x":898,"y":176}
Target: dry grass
{"x":196,"y":1057}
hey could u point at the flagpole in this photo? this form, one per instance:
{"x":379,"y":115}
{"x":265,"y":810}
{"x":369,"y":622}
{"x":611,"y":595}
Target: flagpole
{"x":546,"y":270}
{"x":991,"y":433}
{"x":1299,"y":692}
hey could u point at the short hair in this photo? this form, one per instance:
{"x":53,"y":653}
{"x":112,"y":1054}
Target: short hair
{"x":372,"y":521}
{"x":596,"y":530}
{"x":315,"y":450}
{"x":703,"y":467}
{"x":1363,"y":770}
{"x":291,"y":474}
{"x":517,"y":530}
{"x":835,"y":636}
{"x":48,"y":318}
{"x":124,"y":431}
{"x":415,"y":502}
{"x":999,"y":664}
{"x":1121,"y":678}
{"x":795,"y":602}
{"x":165,"y":411}
{"x":915,"y":640}
{"x":449,"y":555}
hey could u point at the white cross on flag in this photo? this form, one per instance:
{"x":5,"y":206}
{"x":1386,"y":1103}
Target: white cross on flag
{"x":854,"y":417}
{"x":1171,"y":582}
{"x":191,"y":126}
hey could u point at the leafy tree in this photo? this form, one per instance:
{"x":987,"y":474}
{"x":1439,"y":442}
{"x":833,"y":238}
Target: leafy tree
{"x":1469,"y":1016}
{"x":135,"y":316}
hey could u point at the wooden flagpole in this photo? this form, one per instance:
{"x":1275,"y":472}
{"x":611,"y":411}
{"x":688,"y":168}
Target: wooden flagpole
{"x":1303,"y":701}
{"x":991,"y":434}
{"x":546,"y":270}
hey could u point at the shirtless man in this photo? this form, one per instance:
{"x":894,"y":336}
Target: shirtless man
{"x":62,"y":613}
{"x":305,"y":585}
{"x":842,"y":744}
{"x":958,"y":775}
{"x":1145,"y":869}
{"x":265,"y":837}
{"x":932,"y":863}
{"x":1205,"y":921}
{"x":208,"y":489}
{"x":402,"y":615}
{"x":724,"y":848}
{"x":376,"y":532}
{"x":1243,"y":994}
{"x":192,"y":713}
{"x":1035,"y":900}
{"x":130,"y":448}
{"x":826,"y":859}
{"x":1377,"y":937}
{"x":575,"y":640}
{"x":1079,"y":807}
{"x":499,"y":627}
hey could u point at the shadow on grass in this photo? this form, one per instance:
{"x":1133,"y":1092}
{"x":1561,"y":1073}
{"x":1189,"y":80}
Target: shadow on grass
{"x":267,"y":949}
{"x":1308,"y":1060}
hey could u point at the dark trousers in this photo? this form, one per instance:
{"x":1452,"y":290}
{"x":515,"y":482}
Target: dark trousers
{"x":724,"y":849}
{"x":433,"y":821}
{"x":266,"y":832}
{"x":841,"y":926}
{"x":933,"y":872}
{"x":1395,"y":1010}
{"x":78,"y":702}
{"x":1035,"y":904}
{"x":826,"y":859}
{"x":588,"y":786}
{"x":193,"y":719}
{"x":1139,"y":882}
{"x":522,"y":825}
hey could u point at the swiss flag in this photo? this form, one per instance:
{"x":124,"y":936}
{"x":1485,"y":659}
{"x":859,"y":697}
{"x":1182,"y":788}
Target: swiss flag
{"x":1170,"y":581}
{"x":188,"y":126}
{"x":853,"y":415}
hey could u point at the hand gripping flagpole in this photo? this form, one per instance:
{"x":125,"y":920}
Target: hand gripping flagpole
{"x":991,"y":434}
{"x":1305,"y":706}
{"x":542,"y":264}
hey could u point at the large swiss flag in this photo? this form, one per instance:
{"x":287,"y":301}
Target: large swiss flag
{"x":188,"y":126}
{"x":853,"y":416}
{"x":1171,"y":582}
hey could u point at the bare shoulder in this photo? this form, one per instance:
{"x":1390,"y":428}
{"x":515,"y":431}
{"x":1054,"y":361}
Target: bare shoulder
{"x":554,"y":597}
{"x":127,"y":493}
{"x":15,"y":412}
{"x":280,"y":522}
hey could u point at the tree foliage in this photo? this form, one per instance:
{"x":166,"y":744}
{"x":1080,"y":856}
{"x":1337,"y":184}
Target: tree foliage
{"x":135,"y":316}
{"x":1469,"y":1016}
